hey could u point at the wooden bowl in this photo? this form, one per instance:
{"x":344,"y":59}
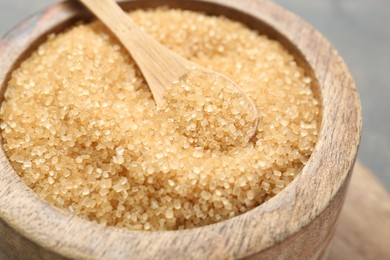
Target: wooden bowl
{"x":298,"y":223}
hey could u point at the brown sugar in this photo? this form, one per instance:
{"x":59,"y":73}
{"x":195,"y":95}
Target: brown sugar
{"x":81,"y":128}
{"x":210,"y":110}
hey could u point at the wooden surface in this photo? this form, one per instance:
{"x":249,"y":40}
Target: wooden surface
{"x":298,"y":223}
{"x":363,"y":229}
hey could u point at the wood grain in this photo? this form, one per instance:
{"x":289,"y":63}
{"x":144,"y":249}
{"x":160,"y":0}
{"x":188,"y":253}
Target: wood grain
{"x":363,"y":229}
{"x":298,"y":223}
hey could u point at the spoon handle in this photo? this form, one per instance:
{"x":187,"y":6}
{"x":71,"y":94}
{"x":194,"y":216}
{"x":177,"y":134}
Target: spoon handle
{"x":159,"y":65}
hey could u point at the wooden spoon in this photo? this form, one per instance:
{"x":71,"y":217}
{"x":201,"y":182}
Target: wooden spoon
{"x":159,"y":65}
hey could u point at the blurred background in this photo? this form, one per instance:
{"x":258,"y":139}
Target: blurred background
{"x":359,"y":29}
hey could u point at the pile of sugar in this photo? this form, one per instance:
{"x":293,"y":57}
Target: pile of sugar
{"x":80,"y":127}
{"x":210,"y":110}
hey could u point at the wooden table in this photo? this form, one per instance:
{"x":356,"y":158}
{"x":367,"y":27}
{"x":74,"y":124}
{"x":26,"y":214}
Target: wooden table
{"x":363,"y":230}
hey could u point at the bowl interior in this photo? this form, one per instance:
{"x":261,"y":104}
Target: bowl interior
{"x":209,"y":8}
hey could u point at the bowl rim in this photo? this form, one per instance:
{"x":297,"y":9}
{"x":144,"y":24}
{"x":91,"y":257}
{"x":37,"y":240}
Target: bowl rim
{"x":303,"y":200}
